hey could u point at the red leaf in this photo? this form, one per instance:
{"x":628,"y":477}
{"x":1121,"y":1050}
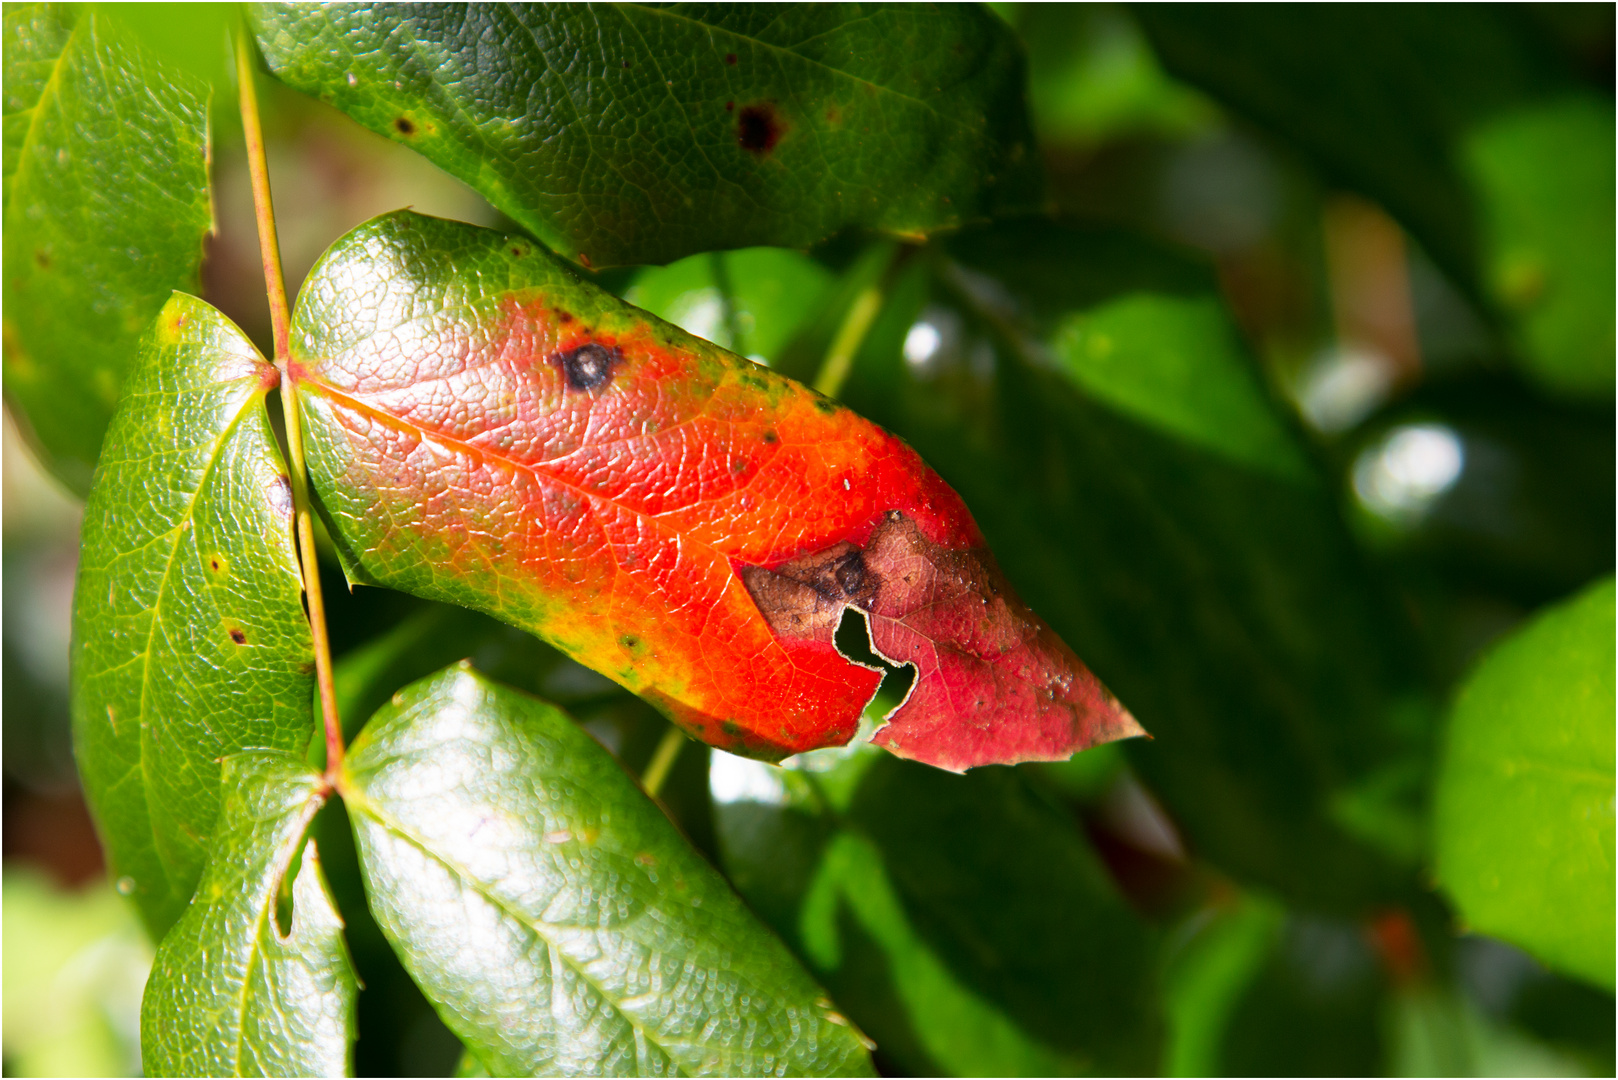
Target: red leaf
{"x":684,"y":521}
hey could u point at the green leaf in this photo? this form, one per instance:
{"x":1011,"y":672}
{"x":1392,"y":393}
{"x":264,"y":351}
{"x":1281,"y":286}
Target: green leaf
{"x":189,"y":636}
{"x":964,"y":923}
{"x":1463,"y":123}
{"x":1218,"y":955}
{"x":1524,"y":816}
{"x":751,"y":302}
{"x":232,"y":993}
{"x":638,"y":134}
{"x":106,"y":205}
{"x":1161,"y":513}
{"x":1544,"y":176}
{"x":556,"y":918}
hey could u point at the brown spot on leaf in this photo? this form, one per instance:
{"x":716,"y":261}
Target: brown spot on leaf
{"x":730,"y":58}
{"x":404,"y":126}
{"x":771,"y":438}
{"x":584,"y":260}
{"x":588,"y":367}
{"x":626,"y":65}
{"x":238,"y":635}
{"x":730,"y":106}
{"x":42,"y":259}
{"x":759,"y":128}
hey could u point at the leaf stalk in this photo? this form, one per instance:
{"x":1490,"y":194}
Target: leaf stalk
{"x":657,"y":770}
{"x":280,"y":324}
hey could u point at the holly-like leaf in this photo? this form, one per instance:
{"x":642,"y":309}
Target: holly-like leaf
{"x":487,"y":430}
{"x":189,"y":636}
{"x":556,"y":918}
{"x":1194,"y":557}
{"x":1464,"y":123}
{"x":963,"y":922}
{"x":106,"y":205}
{"x":639,"y":134}
{"x":231,"y":992}
{"x":1524,"y":817}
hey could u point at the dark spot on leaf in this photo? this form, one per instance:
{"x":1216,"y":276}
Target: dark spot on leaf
{"x":214,"y":563}
{"x":564,"y":316}
{"x":730,"y":727}
{"x":238,"y":636}
{"x":738,"y":465}
{"x":826,"y":405}
{"x":626,"y":65}
{"x":730,"y":106}
{"x":833,"y":114}
{"x":588,"y":367}
{"x":771,"y":437}
{"x":758,"y":128}
{"x":404,"y":126}
{"x":518,"y":251}
{"x":850,"y":573}
{"x":584,"y":260}
{"x":42,"y":259}
{"x":730,"y":58}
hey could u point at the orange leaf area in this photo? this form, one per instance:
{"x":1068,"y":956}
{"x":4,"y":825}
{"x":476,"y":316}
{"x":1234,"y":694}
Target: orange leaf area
{"x":688,"y":523}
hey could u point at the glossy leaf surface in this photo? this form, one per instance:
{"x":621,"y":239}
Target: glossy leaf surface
{"x":962,"y":922}
{"x":1524,"y":816}
{"x":231,"y":993}
{"x":485,"y":429}
{"x":106,"y":205}
{"x":556,"y":918}
{"x":189,"y":636}
{"x":639,"y":134}
{"x":1195,"y":560}
{"x":1464,"y":123}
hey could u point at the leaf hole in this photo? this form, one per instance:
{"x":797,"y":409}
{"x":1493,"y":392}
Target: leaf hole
{"x":853,"y":641}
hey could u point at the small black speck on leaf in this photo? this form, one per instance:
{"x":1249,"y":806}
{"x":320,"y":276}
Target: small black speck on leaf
{"x":238,"y":637}
{"x":771,"y":437}
{"x":626,"y":65}
{"x":404,"y":126}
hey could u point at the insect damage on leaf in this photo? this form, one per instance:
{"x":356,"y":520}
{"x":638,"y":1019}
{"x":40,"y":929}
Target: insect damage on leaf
{"x":994,"y":684}
{"x":676,"y":517}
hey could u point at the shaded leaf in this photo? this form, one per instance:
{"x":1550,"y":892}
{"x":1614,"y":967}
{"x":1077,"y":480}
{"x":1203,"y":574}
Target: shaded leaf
{"x":189,"y":636}
{"x":1201,"y":564}
{"x":1217,"y":957}
{"x":106,"y":205}
{"x":638,"y":134}
{"x":558,"y":920}
{"x":1524,"y":815}
{"x":232,"y":993}
{"x":961,"y":921}
{"x":1464,"y":123}
{"x":487,"y":430}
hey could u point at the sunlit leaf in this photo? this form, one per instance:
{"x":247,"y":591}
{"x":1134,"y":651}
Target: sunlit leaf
{"x":189,"y":636}
{"x":485,"y":429}
{"x":556,"y":918}
{"x":1524,"y":816}
{"x":232,"y":991}
{"x":106,"y":204}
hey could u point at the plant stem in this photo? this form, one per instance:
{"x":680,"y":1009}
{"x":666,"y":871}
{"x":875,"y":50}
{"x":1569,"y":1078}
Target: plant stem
{"x":280,"y":322}
{"x":657,"y":770}
{"x":856,"y":324}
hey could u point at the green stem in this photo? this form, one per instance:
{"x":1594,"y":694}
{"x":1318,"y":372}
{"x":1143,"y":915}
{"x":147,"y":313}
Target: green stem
{"x":280,"y":324}
{"x":857,"y":323}
{"x":657,"y":770}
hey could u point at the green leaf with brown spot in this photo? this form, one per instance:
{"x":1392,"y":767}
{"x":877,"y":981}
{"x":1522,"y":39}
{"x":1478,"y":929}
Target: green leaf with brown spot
{"x":638,"y":134}
{"x":189,"y":637}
